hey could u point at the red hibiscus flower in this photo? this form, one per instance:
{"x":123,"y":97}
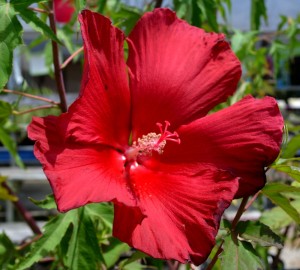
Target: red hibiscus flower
{"x":63,"y":10}
{"x":146,"y":142}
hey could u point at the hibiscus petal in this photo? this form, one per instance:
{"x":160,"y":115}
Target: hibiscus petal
{"x":63,"y":10}
{"x":243,"y":139}
{"x":181,"y":211}
{"x":101,"y":114}
{"x":78,"y":174}
{"x":177,"y":72}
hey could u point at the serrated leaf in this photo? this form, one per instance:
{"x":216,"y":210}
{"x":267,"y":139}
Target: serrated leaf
{"x":259,"y":233}
{"x":4,"y":193}
{"x":11,"y":146}
{"x":128,"y":263}
{"x":54,"y":232}
{"x":112,"y":253}
{"x":36,"y":23}
{"x":10,"y":38}
{"x":239,"y":255}
{"x":7,"y":250}
{"x":102,"y":211}
{"x":47,"y":203}
{"x":84,"y":251}
{"x":282,"y":202}
{"x":292,"y":171}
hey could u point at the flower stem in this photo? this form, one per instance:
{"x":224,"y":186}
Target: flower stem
{"x":35,"y":109}
{"x":254,"y":197}
{"x":239,"y":213}
{"x":38,"y":10}
{"x":57,"y":71}
{"x":215,"y":258}
{"x":30,"y":96}
{"x":64,"y":64}
{"x":23,"y":211}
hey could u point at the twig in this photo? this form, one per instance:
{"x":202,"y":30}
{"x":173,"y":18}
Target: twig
{"x":215,"y":258}
{"x":34,"y":109}
{"x":23,"y":211}
{"x":30,"y":96}
{"x":254,"y":197}
{"x":236,"y":219}
{"x":57,"y":71}
{"x":64,"y":64}
{"x":28,"y":243}
{"x":39,"y":10}
{"x":239,"y":213}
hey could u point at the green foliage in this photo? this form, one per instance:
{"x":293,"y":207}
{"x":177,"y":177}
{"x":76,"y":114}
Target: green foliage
{"x":258,"y":11}
{"x":258,"y":233}
{"x":7,"y":251}
{"x":4,"y":194}
{"x":10,"y":38}
{"x":275,"y":192}
{"x":239,"y":255}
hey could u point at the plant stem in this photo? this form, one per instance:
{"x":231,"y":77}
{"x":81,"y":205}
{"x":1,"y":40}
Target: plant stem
{"x":30,"y":96}
{"x":23,"y":211}
{"x":239,"y":213}
{"x":38,"y":10}
{"x":35,"y":109}
{"x":158,"y":3}
{"x":215,"y":258}
{"x":57,"y":71}
{"x":254,"y":197}
{"x":64,"y":64}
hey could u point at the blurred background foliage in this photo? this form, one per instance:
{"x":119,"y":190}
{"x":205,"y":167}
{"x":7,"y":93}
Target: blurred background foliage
{"x":82,"y":238}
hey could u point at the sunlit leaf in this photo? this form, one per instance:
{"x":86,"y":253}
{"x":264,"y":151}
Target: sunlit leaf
{"x":112,"y":252}
{"x":4,"y":193}
{"x":10,"y":38}
{"x":259,"y":233}
{"x":283,"y":202}
{"x":47,"y":203}
{"x":292,"y":171}
{"x":292,"y":147}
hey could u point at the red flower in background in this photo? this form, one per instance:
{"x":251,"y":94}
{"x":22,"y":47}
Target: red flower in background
{"x":148,"y":145}
{"x":63,"y":10}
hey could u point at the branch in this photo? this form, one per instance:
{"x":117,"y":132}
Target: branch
{"x":239,"y":213}
{"x":64,"y":64}
{"x":39,"y":10}
{"x":57,"y":71}
{"x":30,"y":96}
{"x":24,"y":212}
{"x":35,"y":109}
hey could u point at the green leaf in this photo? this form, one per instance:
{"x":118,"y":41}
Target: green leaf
{"x":7,"y":250}
{"x":276,"y":218}
{"x":259,"y":233}
{"x":11,"y":146}
{"x":239,"y":255}
{"x":84,"y":251}
{"x":36,"y":23}
{"x":10,"y":38}
{"x":4,"y":193}
{"x":282,"y":202}
{"x":80,"y":4}
{"x":292,"y":147}
{"x":138,"y":255}
{"x":5,"y":111}
{"x":54,"y":232}
{"x":292,"y":171}
{"x":101,"y":211}
{"x":112,"y":252}
{"x":258,"y":11}
{"x":47,"y":203}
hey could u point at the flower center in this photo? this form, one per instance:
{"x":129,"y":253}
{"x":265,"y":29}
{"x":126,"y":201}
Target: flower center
{"x":151,"y":142}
